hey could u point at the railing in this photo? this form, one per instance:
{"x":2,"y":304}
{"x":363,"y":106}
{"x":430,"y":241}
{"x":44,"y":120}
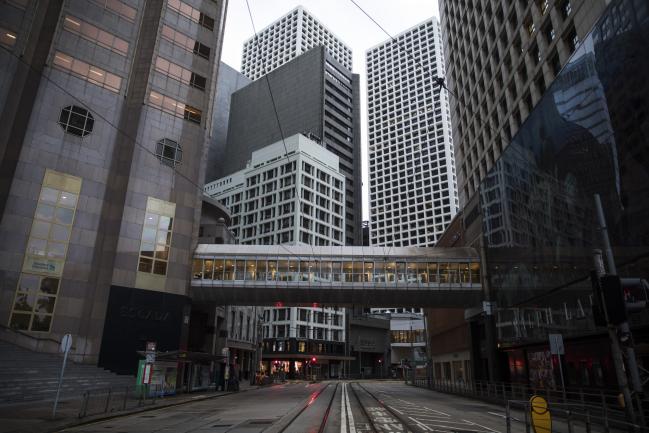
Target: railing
{"x":106,"y":400}
{"x":602,"y":406}
{"x":567,"y":417}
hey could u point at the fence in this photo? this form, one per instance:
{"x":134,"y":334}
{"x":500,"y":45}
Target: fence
{"x":106,"y":400}
{"x":566,"y":418}
{"x":600,"y":405}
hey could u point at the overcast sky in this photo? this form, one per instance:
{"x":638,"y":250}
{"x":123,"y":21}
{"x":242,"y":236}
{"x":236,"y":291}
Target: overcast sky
{"x":344,"y":19}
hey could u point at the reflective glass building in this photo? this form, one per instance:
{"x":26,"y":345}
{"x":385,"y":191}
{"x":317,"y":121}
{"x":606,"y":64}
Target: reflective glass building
{"x":588,"y":135}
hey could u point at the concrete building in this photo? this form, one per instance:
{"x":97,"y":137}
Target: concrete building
{"x":101,"y":152}
{"x":413,"y":189}
{"x":292,"y":192}
{"x":369,"y":345}
{"x":228,"y":81}
{"x":314,"y":96}
{"x":501,"y":58}
{"x":288,"y":37}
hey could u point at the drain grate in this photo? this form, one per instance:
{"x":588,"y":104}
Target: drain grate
{"x":260,"y":421}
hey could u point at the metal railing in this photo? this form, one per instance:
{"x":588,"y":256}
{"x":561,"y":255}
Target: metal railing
{"x":568,"y":418}
{"x":106,"y":400}
{"x":602,"y":404}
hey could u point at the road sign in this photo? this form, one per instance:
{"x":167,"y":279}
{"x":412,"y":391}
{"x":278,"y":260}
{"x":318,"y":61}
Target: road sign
{"x":556,"y":344}
{"x":66,"y":343}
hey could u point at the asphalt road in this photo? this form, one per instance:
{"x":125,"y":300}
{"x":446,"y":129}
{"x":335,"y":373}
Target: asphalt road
{"x":328,"y":407}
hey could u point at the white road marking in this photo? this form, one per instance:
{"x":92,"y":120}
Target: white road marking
{"x":343,"y":412}
{"x":420,"y":424}
{"x":486,"y":428}
{"x":346,"y":412}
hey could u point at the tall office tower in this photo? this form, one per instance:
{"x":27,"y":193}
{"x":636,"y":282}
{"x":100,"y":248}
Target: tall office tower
{"x":316,"y":96}
{"x":291,"y":192}
{"x":501,"y":57}
{"x":413,"y":191}
{"x":105,"y":115}
{"x":290,"y":36}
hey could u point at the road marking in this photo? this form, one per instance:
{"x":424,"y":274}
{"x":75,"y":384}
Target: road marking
{"x":420,"y":424}
{"x":347,"y":416}
{"x":486,"y":428}
{"x":343,"y":412}
{"x":502,"y":415}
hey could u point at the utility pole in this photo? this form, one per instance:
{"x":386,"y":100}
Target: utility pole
{"x":623,"y":327}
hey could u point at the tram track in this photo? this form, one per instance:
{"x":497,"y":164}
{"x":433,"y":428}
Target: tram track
{"x":407,"y":426}
{"x":300,"y":414}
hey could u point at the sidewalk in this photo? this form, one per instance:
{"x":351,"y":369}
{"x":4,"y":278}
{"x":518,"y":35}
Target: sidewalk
{"x":36,"y":417}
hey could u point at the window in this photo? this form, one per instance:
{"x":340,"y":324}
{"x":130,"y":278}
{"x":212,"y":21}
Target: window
{"x":121,"y":9}
{"x":47,"y":245}
{"x":7,"y":37}
{"x":179,"y":109}
{"x":179,"y":73}
{"x":88,"y":72}
{"x":186,"y":42}
{"x":95,"y":34}
{"x":169,"y":152}
{"x":156,"y":237}
{"x":76,"y":120}
{"x":192,"y":13}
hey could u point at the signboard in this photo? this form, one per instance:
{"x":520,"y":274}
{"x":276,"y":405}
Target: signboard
{"x":66,"y":343}
{"x":150,"y":352}
{"x":146,"y":374}
{"x":41,"y":265}
{"x":556,"y":344}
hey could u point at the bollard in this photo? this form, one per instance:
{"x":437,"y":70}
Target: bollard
{"x":569,"y":417}
{"x":588,"y":427}
{"x":527,"y":417}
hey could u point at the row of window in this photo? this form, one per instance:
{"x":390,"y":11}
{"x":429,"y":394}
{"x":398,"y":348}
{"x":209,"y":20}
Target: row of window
{"x":177,"y":108}
{"x":335,"y":271}
{"x":192,"y":13}
{"x":90,"y":73}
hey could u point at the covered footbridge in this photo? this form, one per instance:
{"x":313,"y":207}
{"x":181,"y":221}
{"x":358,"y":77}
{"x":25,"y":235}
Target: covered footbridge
{"x":336,"y":275}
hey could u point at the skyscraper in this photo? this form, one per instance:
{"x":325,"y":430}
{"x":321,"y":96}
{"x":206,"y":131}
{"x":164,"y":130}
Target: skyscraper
{"x":288,"y":37}
{"x":314,"y":95}
{"x":106,"y":108}
{"x":500,"y":59}
{"x":413,"y":191}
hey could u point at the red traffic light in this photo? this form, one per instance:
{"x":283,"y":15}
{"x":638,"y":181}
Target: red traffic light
{"x":313,"y":360}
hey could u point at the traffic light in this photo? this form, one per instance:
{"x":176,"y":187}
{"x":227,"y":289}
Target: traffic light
{"x":313,"y":360}
{"x":617,"y":297}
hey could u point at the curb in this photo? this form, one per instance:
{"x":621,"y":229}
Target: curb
{"x":101,"y":418}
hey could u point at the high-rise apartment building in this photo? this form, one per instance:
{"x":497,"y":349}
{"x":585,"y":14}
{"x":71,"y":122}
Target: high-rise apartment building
{"x":290,"y":36}
{"x":291,"y":192}
{"x":314,"y":95}
{"x":501,"y":57}
{"x":413,"y":191}
{"x":106,"y":107}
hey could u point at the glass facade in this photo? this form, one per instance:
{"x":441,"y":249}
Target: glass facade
{"x":396,"y":271}
{"x":588,"y":135}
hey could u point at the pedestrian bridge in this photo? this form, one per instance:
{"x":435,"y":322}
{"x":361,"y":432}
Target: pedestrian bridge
{"x":336,"y":275}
